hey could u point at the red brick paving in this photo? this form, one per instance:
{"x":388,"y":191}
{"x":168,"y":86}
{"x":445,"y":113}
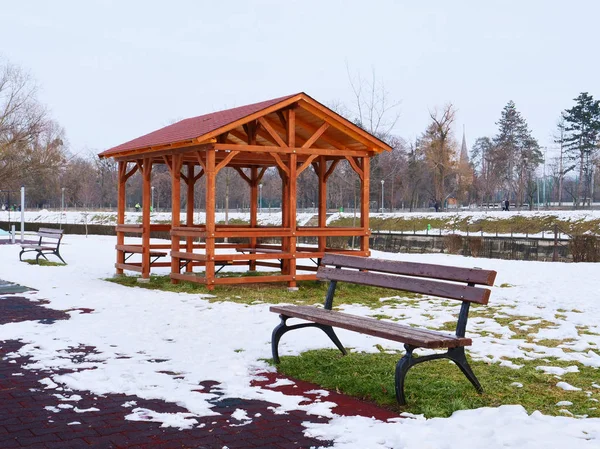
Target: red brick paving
{"x":26,"y":423}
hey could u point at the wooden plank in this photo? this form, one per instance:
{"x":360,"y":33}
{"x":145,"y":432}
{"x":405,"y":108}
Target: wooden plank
{"x":188,"y":255}
{"x":316,"y":135}
{"x":249,"y":257}
{"x":306,"y":164}
{"x":225,"y":161}
{"x":129,"y":248}
{"x":355,"y":166}
{"x":130,"y":228}
{"x":128,"y":267}
{"x":146,"y":194}
{"x":176,"y":213}
{"x":281,"y":164}
{"x":187,"y":278}
{"x":243,"y":175}
{"x":364,"y":202}
{"x":253,"y":279}
{"x":188,"y":233}
{"x":330,"y":232}
{"x":343,"y":125}
{"x":211,"y":175}
{"x":409,"y":284}
{"x":425,"y":270}
{"x":377,"y":328}
{"x":267,"y":126}
{"x":331,"y":168}
{"x":288,"y":150}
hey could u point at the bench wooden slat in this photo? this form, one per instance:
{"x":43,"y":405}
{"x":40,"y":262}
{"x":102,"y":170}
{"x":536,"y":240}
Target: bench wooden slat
{"x":432,"y":271}
{"x":49,"y":236}
{"x":415,"y":285}
{"x":51,"y":230}
{"x":391,"y":331}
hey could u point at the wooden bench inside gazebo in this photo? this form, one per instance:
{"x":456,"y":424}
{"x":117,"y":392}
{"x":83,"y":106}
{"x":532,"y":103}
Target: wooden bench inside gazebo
{"x":290,"y":134}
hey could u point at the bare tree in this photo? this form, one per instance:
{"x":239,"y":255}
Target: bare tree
{"x":440,"y":148}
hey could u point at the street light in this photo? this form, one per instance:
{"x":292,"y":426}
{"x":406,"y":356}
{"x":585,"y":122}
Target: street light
{"x":152,"y":199}
{"x":260,"y":197}
{"x":62,"y":205}
{"x":382,"y":181}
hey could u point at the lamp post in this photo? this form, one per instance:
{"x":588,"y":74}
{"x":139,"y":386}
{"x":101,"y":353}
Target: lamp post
{"x":62,"y":205}
{"x":151,"y":198}
{"x":260,"y":197}
{"x":382,"y":182}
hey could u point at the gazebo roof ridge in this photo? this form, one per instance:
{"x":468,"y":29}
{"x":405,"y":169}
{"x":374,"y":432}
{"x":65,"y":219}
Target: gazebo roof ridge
{"x":195,"y":130}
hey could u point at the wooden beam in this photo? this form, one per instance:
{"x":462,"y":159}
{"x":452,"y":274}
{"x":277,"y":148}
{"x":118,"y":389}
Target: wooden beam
{"x":318,"y":133}
{"x":289,"y":150}
{"x":282,"y":119}
{"x":243,"y":175}
{"x":355,"y":166}
{"x":331,"y":168}
{"x":261,"y":173}
{"x":199,"y":175}
{"x":283,"y":167}
{"x":167,"y":150}
{"x":338,"y":122}
{"x":189,"y":208}
{"x":175,"y":211}
{"x":146,"y":195}
{"x":168,"y":163}
{"x":364,"y":204}
{"x":121,"y":213}
{"x":129,"y":174}
{"x":200,"y":160}
{"x":211,"y":176}
{"x":306,"y":163}
{"x":272,"y":132}
{"x":225,"y":161}
{"x":311,"y":129}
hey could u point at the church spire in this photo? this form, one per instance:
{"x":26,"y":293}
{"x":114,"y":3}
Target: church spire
{"x":464,"y":154}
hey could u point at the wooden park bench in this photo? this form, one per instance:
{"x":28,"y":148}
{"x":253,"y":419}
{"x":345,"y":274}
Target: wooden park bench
{"x":426,"y":279}
{"x":48,"y":243}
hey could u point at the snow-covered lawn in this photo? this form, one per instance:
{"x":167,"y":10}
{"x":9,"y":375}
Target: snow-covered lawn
{"x":226,"y":341}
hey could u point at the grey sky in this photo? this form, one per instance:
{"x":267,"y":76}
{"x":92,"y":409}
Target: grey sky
{"x":113,"y":70}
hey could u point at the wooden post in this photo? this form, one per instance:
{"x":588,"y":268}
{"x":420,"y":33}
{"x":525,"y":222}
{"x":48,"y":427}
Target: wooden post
{"x":189,"y":209}
{"x":364,"y":204}
{"x":175,"y":212}
{"x":291,"y":192}
{"x":322,"y":200}
{"x":253,"y":209}
{"x":210,"y":218}
{"x":121,"y":212}
{"x":146,"y":194}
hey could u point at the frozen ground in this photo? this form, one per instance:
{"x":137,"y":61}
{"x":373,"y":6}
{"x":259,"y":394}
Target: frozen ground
{"x":196,"y":340}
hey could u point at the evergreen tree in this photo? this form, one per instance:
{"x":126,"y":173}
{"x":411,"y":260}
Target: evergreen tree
{"x":516,"y":153}
{"x":581,"y":142}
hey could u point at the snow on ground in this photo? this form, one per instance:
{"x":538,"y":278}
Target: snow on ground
{"x":273,"y":216}
{"x":133,"y":328}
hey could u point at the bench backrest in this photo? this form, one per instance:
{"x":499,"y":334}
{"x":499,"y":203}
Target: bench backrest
{"x":426,"y":279}
{"x":49,"y":233}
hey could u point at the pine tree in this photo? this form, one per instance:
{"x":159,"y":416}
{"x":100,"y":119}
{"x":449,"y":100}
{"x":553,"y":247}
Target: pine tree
{"x":583,"y":130}
{"x":516,"y":153}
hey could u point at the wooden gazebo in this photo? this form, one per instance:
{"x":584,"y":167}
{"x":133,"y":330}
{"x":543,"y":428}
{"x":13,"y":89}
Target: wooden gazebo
{"x":291,"y":134}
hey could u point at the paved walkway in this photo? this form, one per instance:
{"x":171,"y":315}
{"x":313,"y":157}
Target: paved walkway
{"x":35,"y":415}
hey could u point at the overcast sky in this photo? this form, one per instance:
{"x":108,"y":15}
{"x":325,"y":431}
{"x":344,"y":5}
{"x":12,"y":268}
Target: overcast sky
{"x":113,"y":70}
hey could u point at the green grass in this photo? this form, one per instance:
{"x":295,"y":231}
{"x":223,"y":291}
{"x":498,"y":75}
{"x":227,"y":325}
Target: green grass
{"x":438,"y":388}
{"x":435,"y":389}
{"x":309,"y":292}
{"x":513,"y":223}
{"x":44,"y":263}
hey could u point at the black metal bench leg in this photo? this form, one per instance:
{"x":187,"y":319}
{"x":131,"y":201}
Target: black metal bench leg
{"x":457,"y":355}
{"x":279,"y":330}
{"x":20,"y":254}
{"x":282,"y":328}
{"x":334,"y":338}
{"x":402,"y":368}
{"x":37,"y":259}
{"x":58,"y":255}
